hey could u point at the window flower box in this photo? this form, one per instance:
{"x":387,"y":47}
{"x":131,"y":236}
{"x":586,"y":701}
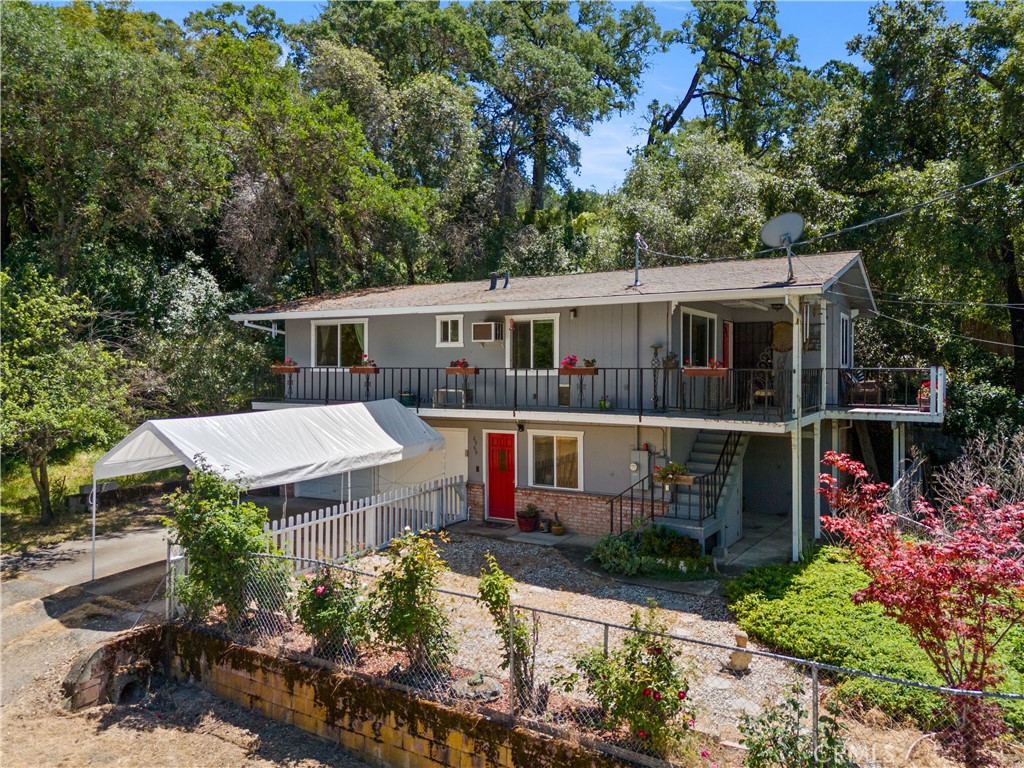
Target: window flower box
{"x":580,"y":371}
{"x":460,"y":371}
{"x":713,"y":373}
{"x":366,"y":370}
{"x":284,"y":369}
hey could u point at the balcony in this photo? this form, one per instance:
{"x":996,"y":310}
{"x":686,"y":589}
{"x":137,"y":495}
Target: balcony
{"x":761,"y":395}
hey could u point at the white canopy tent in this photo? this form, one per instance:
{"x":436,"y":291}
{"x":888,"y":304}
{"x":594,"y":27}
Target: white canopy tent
{"x":267,"y":448}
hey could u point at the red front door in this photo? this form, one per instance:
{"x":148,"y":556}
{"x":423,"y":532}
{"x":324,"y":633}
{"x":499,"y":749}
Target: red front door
{"x":501,"y":475}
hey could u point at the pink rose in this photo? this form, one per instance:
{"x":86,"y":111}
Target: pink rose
{"x":647,"y":691}
{"x":681,"y":695}
{"x":657,"y":696}
{"x":705,"y":753}
{"x":321,"y":589}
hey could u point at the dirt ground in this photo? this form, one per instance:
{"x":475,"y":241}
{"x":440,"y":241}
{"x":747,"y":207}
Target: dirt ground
{"x":176,"y":725}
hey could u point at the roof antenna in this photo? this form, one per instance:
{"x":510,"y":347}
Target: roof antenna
{"x":637,"y":240}
{"x":781,"y":232}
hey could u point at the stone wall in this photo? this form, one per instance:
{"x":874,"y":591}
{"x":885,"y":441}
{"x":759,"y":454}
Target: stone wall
{"x":379,"y":724}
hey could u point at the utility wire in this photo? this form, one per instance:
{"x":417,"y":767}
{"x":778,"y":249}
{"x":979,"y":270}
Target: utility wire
{"x":900,"y":299}
{"x":950,"y":333}
{"x":870,"y":222}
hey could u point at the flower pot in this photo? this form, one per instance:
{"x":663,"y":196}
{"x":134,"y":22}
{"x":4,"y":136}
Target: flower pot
{"x":407,"y":399}
{"x":284,"y":369}
{"x":680,"y":480}
{"x":670,"y":364}
{"x":526,"y":524}
{"x":462,"y":371}
{"x":924,"y":404}
{"x":604,"y":404}
{"x":369,"y":370}
{"x":589,"y":371}
{"x":713,"y":373}
{"x":557,"y":530}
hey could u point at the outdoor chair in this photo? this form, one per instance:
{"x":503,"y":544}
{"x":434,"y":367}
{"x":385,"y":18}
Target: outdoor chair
{"x":861,"y":391}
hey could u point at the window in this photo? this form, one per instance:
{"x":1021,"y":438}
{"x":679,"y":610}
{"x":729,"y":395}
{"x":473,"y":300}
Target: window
{"x":556,"y":460}
{"x":845,"y":340}
{"x":698,"y":337}
{"x":449,"y":330}
{"x":534,"y":342}
{"x":339,"y":344}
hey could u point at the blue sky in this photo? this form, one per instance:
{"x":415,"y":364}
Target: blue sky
{"x":822,"y":27}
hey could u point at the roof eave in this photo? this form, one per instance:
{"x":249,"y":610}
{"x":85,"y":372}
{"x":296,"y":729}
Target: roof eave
{"x":504,"y":306}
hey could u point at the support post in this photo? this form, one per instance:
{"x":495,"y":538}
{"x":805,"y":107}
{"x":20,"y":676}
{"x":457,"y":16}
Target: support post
{"x":512,"y":683}
{"x":817,"y":496}
{"x":896,"y":452}
{"x":93,"y":503}
{"x":797,"y":515}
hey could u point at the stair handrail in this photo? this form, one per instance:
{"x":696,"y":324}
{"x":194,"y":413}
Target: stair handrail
{"x":717,"y":477}
{"x":646,"y":503}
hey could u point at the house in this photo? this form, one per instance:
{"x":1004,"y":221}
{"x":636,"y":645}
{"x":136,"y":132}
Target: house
{"x":728,"y":367}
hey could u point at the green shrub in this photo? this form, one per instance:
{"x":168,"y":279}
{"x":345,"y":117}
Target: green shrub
{"x":640,"y":685}
{"x":656,"y":550}
{"x":328,"y":603}
{"x":404,"y":610}
{"x":217,"y":532}
{"x":805,"y":609}
{"x":778,"y":737}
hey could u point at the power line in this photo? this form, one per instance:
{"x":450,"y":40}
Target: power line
{"x":900,"y":299}
{"x":870,"y":222}
{"x":950,"y":333}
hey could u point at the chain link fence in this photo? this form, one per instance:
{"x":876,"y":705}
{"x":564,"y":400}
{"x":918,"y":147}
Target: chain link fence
{"x":634,"y":691}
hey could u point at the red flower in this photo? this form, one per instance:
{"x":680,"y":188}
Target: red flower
{"x":647,"y":691}
{"x":642,"y":733}
{"x":657,"y":696}
{"x":654,"y":650}
{"x":705,"y":753}
{"x":681,"y":695}
{"x":321,"y":589}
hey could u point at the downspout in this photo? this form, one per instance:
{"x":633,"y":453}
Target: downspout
{"x":93,"y":501}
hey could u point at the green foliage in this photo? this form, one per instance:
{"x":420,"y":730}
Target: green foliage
{"x":194,"y":597}
{"x":804,"y":609}
{"x":640,"y":685}
{"x":328,"y":609}
{"x":217,"y":531}
{"x":656,"y":550}
{"x":404,"y":609}
{"x":518,"y":635}
{"x":779,"y":736}
{"x":59,"y":389}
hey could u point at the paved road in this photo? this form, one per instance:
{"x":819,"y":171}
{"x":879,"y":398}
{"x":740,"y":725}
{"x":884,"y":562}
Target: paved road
{"x":50,"y":607}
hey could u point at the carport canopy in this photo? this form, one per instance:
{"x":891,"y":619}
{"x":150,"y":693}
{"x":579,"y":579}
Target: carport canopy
{"x":268,"y":448}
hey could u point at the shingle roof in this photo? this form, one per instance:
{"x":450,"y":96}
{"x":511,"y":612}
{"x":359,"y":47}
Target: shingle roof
{"x":768,"y":275}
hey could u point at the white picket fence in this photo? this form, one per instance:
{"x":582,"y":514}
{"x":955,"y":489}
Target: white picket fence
{"x":334,"y":532}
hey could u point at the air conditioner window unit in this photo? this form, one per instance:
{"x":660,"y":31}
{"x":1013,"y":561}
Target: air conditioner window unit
{"x":484,"y":332}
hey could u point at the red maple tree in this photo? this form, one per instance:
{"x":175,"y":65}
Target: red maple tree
{"x":958,"y":590}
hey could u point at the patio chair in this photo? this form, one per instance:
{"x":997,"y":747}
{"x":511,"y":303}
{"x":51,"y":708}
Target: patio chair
{"x":763,"y":381}
{"x":861,"y":391}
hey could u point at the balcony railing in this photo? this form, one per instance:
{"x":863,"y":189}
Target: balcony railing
{"x":900,"y":389}
{"x":741,"y":393}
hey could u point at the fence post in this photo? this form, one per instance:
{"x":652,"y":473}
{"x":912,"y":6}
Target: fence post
{"x":512,"y":696}
{"x":169,"y":602}
{"x":814,"y":711}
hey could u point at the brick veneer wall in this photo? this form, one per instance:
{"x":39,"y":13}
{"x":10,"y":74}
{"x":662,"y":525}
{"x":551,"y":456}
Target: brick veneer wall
{"x":584,"y":513}
{"x":381,"y":725}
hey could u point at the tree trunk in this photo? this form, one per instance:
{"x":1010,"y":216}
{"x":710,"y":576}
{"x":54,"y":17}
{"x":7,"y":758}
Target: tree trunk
{"x":41,"y":480}
{"x":314,"y":275}
{"x":1015,"y":298}
{"x":540,"y":164}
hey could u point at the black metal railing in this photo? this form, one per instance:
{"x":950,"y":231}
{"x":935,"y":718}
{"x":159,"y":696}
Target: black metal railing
{"x":647,"y":499}
{"x":909,"y":389}
{"x":759,"y":394}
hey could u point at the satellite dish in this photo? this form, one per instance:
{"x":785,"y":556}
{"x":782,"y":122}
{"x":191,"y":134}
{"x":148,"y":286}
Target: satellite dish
{"x":782,"y":232}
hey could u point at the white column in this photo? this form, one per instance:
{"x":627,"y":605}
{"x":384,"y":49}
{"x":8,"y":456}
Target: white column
{"x":94,"y":502}
{"x":817,"y":464}
{"x":823,"y":354}
{"x":896,"y":452}
{"x":798,"y":348}
{"x":795,"y":438}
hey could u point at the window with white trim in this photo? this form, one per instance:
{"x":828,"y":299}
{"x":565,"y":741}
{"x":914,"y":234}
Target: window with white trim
{"x":845,"y":340}
{"x":698,"y":337}
{"x":449,"y":330}
{"x":339,"y":343}
{"x":533,"y":343}
{"x":556,"y":460}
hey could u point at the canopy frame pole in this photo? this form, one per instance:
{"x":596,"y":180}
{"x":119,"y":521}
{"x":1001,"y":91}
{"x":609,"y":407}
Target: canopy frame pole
{"x":93,"y":502}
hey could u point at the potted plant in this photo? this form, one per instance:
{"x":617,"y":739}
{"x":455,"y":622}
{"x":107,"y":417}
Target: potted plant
{"x":527,"y":519}
{"x":671,"y":360}
{"x":570,"y":366}
{"x":924,"y":396}
{"x":605,"y":404}
{"x":673,"y":473}
{"x":557,"y":529}
{"x":288,"y":366}
{"x":369,"y":366}
{"x":461,"y":367}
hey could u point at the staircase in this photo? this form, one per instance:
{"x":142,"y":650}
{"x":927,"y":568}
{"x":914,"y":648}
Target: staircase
{"x":713,"y":504}
{"x":701,"y":510}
